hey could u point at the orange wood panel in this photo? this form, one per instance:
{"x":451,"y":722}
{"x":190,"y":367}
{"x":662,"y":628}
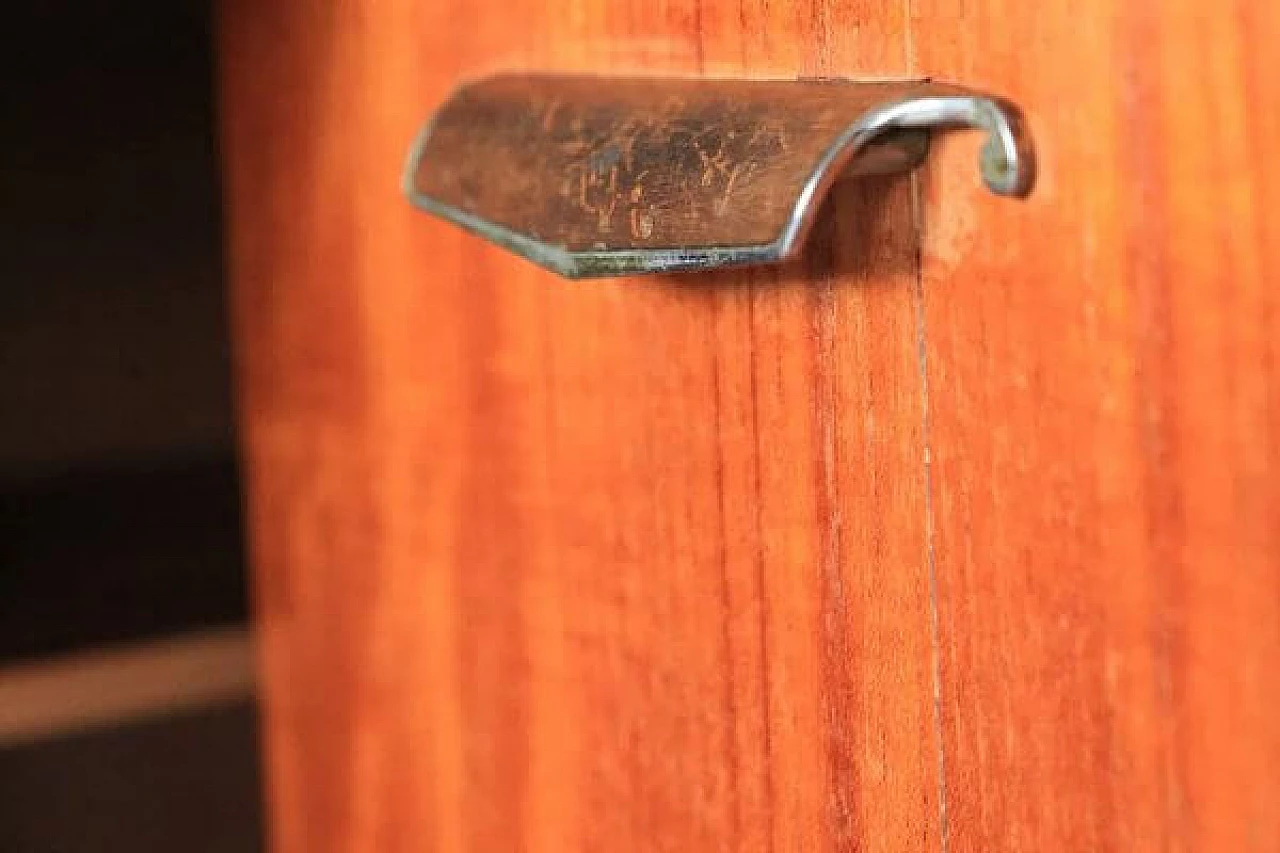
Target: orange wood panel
{"x":1103,"y":428}
{"x":622,"y":565}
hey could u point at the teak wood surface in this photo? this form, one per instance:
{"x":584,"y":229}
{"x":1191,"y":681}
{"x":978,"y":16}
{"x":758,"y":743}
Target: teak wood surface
{"x":961,"y":535}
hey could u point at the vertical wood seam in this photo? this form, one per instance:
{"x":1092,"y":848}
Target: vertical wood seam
{"x":935,"y":628}
{"x":931,"y":563}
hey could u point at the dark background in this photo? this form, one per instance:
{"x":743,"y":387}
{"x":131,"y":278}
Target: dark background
{"x":119,"y":510}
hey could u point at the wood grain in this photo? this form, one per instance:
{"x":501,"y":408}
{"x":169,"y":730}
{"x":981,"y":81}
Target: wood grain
{"x":645,"y":564}
{"x":634,"y":565}
{"x":1103,"y":392}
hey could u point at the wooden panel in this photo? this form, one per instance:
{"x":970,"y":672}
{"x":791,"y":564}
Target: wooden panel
{"x":1102,"y":388}
{"x":633,"y":565}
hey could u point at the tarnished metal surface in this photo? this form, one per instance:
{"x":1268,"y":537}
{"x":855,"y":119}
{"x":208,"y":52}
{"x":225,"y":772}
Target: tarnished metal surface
{"x":593,"y":176}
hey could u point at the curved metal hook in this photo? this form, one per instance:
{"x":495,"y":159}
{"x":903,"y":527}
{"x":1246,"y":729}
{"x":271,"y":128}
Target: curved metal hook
{"x":1005,"y":161}
{"x":595,"y":176}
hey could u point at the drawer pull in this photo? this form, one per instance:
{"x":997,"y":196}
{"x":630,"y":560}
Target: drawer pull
{"x":595,"y":176}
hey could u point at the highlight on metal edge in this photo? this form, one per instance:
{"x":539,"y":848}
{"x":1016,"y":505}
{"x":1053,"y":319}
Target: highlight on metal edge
{"x":596,"y":176}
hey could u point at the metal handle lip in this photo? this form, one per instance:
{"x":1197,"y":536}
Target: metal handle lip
{"x":1005,"y":164}
{"x":573,"y":264}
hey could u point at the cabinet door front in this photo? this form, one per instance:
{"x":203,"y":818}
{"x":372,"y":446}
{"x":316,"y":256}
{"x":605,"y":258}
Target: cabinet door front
{"x":958,"y":533}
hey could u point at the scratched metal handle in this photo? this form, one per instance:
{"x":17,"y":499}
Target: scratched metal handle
{"x":595,"y":176}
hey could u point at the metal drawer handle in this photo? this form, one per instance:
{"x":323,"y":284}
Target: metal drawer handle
{"x":594,"y":176}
